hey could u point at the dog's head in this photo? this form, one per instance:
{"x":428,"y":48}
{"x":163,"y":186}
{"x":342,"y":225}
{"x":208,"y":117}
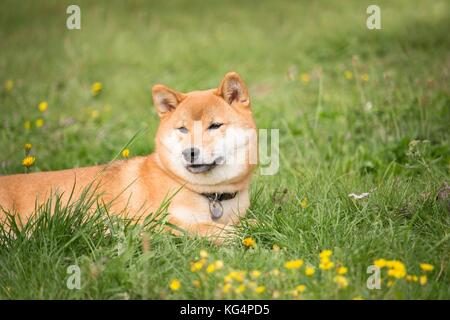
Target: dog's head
{"x":207,"y":137}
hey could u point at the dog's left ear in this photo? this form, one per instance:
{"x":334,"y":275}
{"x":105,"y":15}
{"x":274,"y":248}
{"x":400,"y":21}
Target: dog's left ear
{"x":233,"y":90}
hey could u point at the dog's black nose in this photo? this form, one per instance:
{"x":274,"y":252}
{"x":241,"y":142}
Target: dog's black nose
{"x":191,"y":154}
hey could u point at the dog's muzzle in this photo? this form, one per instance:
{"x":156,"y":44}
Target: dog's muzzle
{"x":204,"y":167}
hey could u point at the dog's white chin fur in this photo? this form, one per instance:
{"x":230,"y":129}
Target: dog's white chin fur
{"x":221,"y":173}
{"x":234,"y":148}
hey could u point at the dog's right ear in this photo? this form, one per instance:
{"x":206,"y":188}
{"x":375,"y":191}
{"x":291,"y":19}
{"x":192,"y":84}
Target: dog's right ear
{"x":165,"y":99}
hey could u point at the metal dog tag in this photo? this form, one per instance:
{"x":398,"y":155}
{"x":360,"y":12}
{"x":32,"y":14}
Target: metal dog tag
{"x":216,"y":209}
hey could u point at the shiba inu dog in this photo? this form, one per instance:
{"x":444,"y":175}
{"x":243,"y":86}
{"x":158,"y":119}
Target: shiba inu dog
{"x":205,"y":154}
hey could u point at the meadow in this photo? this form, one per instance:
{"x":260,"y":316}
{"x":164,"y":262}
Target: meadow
{"x":358,"y":111}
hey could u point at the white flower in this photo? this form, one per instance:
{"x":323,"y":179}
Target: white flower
{"x":359,"y":196}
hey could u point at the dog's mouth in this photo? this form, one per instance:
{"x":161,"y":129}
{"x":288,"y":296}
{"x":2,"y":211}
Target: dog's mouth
{"x":204,"y":167}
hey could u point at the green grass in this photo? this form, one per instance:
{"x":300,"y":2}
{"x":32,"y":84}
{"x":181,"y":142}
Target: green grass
{"x":337,"y":136}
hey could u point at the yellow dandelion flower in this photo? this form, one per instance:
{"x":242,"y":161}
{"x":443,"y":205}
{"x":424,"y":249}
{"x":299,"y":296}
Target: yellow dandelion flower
{"x":203,"y":253}
{"x":423,"y":280}
{"x":197,"y":266}
{"x":218,"y":264}
{"x":393,"y":273}
{"x":175,"y":285}
{"x":305,"y":78}
{"x":227,"y":279}
{"x":125,"y":153}
{"x":395,"y":264}
{"x":326,"y":265}
{"x":196,"y":283}
{"x":95,"y":114}
{"x":239,"y":276}
{"x":411,"y":278}
{"x":39,"y":122}
{"x":341,"y":270}
{"x":241,"y":288}
{"x":227,"y":288}
{"x":260,"y":289}
{"x":396,"y":269}
{"x":365,"y":77}
{"x":27,"y":124}
{"x":9,"y":85}
{"x":28,"y":161}
{"x":249,"y":242}
{"x":275,"y":294}
{"x":96,"y":88}
{"x":210,"y":268}
{"x":341,"y":281}
{"x":275,"y":272}
{"x":300,"y":288}
{"x":348,"y":75}
{"x":309,"y":271}
{"x":304,"y":203}
{"x":380,"y":263}
{"x":43,"y":106}
{"x":426,"y":267}
{"x":27,"y":147}
{"x":293,"y":264}
{"x":397,"y":273}
{"x":392,"y":264}
{"x":255,"y":274}
{"x":235,"y":275}
{"x":325,"y":254}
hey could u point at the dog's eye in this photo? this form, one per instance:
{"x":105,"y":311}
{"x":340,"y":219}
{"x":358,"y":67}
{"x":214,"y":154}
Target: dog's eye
{"x":214,"y":126}
{"x":183,"y":129}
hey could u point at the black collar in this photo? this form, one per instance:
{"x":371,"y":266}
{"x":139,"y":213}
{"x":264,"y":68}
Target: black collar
{"x":219,"y":196}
